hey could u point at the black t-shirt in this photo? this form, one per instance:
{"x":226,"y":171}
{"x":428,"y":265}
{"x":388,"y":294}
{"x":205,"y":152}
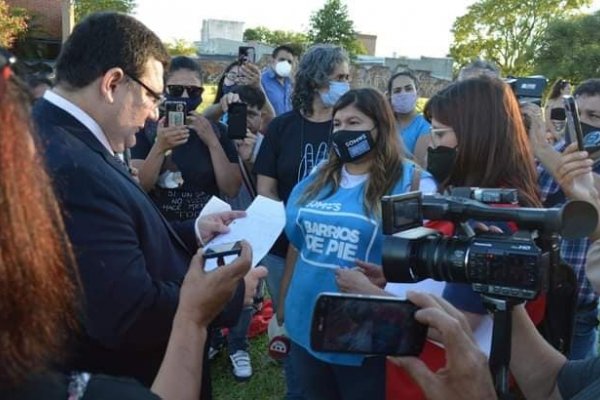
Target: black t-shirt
{"x":193,"y":160}
{"x":55,"y":386}
{"x":292,"y":147}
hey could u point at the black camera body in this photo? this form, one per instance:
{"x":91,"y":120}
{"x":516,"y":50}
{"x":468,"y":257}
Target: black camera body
{"x":508,"y":266}
{"x":528,"y":89}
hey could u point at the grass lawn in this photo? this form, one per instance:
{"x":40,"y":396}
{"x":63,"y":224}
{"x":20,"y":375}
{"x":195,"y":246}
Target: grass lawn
{"x":267,"y":382}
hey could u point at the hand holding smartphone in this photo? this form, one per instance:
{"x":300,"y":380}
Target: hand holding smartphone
{"x":221,"y":251}
{"x":371,"y":325}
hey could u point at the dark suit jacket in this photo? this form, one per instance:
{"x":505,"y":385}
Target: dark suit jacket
{"x":131,"y":261}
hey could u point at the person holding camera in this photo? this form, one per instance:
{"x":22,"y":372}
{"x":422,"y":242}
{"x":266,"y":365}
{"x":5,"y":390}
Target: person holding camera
{"x":334,"y":218}
{"x":554,"y":110}
{"x":184,"y":166}
{"x":572,"y":251}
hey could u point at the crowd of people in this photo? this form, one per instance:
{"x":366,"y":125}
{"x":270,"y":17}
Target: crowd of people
{"x":103,"y":292}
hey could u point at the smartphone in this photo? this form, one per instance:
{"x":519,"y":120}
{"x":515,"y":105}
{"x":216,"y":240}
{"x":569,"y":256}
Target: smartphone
{"x":375,"y":325}
{"x":246,"y":54}
{"x":574,"y":131}
{"x":175,"y":112}
{"x":236,"y":120}
{"x":223,"y":250}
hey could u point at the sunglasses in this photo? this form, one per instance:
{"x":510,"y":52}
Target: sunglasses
{"x":192,"y":91}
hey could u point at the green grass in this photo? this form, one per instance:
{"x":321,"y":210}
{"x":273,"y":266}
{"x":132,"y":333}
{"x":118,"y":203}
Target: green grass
{"x":267,"y":382}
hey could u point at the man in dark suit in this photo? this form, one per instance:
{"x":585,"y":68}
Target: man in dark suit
{"x":131,"y":261}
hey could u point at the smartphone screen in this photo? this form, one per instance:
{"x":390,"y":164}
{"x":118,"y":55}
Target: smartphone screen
{"x":223,"y":250}
{"x":236,"y":120}
{"x":347,"y":323}
{"x":246,"y":54}
{"x":175,"y":112}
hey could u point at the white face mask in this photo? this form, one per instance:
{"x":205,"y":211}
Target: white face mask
{"x":283,"y":69}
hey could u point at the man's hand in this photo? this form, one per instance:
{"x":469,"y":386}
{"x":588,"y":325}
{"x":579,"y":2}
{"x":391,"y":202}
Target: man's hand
{"x":537,"y":127}
{"x":574,"y":174}
{"x":171,"y":136}
{"x":466,"y":374}
{"x":208,"y":226}
{"x":251,"y":280}
{"x":204,"y":129}
{"x":245,"y":147}
{"x":204,"y":294}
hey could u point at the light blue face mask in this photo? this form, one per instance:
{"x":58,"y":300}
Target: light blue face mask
{"x":336,"y":90}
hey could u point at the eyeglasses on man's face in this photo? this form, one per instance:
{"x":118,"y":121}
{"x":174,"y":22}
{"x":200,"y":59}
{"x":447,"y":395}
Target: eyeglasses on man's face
{"x":158,"y":98}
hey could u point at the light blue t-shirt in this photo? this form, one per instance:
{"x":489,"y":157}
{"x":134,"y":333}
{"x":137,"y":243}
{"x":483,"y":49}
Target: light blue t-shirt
{"x":411,"y":133}
{"x":330,"y":233}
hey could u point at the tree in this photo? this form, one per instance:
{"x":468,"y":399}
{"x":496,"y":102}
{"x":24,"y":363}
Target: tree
{"x":507,"y":32}
{"x":13,"y":22}
{"x":85,"y":7}
{"x":331,"y":24}
{"x":297,"y":41}
{"x":181,"y":47}
{"x":570,"y":49}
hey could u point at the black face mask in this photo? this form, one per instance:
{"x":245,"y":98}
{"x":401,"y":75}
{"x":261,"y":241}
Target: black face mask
{"x":585,"y":128}
{"x":440,"y":162}
{"x":352,"y":145}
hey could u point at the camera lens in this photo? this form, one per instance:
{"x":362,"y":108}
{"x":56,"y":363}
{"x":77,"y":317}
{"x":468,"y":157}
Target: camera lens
{"x":412,"y":260}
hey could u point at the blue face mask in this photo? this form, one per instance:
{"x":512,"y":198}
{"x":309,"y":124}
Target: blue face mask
{"x":230,"y":88}
{"x":191,"y":102}
{"x":336,"y":90}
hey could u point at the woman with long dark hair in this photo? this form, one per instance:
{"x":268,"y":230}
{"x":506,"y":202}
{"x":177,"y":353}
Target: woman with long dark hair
{"x":333,"y":222}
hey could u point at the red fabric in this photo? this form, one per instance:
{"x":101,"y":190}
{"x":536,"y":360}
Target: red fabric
{"x":260,"y":320}
{"x":399,"y":385}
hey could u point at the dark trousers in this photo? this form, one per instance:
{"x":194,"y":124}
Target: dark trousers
{"x":322,"y":380}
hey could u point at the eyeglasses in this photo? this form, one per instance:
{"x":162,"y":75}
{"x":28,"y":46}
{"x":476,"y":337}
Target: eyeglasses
{"x":158,"y":98}
{"x":192,"y":91}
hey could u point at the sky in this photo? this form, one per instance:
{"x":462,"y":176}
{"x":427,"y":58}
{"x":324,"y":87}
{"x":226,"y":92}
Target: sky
{"x":411,"y":28}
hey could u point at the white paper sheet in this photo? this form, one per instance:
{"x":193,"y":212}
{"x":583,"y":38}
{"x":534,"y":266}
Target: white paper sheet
{"x":264,"y":222}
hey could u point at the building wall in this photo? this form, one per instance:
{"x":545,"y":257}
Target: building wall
{"x":369,"y":41}
{"x":220,"y":29}
{"x":47,"y":17}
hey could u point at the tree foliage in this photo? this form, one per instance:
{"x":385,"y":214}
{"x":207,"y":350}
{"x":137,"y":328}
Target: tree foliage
{"x":297,"y":41}
{"x":13,"y":22}
{"x":570,"y":49}
{"x":181,"y":47}
{"x":331,"y":24}
{"x":85,"y":7}
{"x":507,"y":32}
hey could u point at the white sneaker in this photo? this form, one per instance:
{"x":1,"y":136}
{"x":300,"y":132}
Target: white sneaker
{"x":242,"y":368}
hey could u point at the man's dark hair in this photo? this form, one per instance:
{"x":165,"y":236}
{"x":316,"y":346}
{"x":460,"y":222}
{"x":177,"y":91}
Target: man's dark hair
{"x":183,"y":62}
{"x":283,"y":47}
{"x":251,"y":96}
{"x":412,"y":76}
{"x":590,"y":87}
{"x":107,"y":40}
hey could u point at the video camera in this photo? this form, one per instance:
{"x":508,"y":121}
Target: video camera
{"x":528,"y":89}
{"x":507,"y":266}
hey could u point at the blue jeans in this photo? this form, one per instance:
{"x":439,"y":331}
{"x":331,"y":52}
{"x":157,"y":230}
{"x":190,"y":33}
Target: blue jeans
{"x":275,"y":265}
{"x":322,"y":380}
{"x":585,"y":335}
{"x":237,"y":339}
